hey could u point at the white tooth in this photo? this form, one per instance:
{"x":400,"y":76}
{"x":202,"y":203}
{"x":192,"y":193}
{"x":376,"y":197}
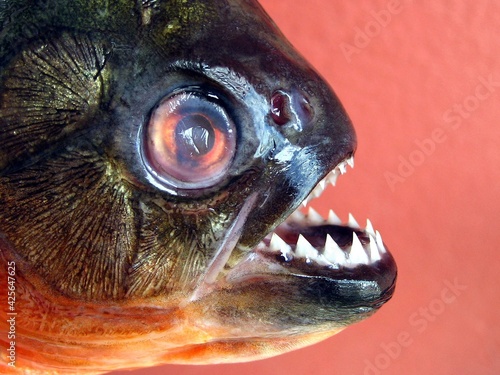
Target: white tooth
{"x":260,"y":246}
{"x":333,"y":219}
{"x":350,"y":161}
{"x":333,"y":253}
{"x":306,"y":201}
{"x":369,"y":227}
{"x":296,"y":216}
{"x":357,"y":254}
{"x":305,"y":250}
{"x":342,"y":168}
{"x":352,"y":222}
{"x":277,"y":244}
{"x":322,"y":261}
{"x":374,"y":253}
{"x":314,"y":218}
{"x":316,"y":192}
{"x":332,"y":176}
{"x":322,"y":184}
{"x":380,"y":243}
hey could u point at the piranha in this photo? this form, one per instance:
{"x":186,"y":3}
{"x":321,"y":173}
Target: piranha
{"x":154,"y":158}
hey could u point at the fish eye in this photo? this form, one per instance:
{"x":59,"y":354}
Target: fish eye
{"x":189,"y":141}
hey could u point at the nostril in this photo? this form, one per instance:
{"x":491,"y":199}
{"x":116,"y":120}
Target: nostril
{"x":293,"y":108}
{"x":280,"y":108}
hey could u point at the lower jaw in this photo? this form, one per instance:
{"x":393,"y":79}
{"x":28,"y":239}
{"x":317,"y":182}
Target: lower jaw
{"x":301,"y":250}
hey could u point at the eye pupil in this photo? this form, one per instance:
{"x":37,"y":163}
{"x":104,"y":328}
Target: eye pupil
{"x":189,"y":141}
{"x":195,"y":135}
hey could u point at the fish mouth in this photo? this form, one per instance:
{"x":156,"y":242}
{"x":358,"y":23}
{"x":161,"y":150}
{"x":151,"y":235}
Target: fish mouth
{"x":311,"y":246}
{"x":319,"y":262}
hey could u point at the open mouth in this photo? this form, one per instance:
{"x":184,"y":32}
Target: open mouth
{"x":311,"y":246}
{"x":314,"y":246}
{"x":311,"y":240}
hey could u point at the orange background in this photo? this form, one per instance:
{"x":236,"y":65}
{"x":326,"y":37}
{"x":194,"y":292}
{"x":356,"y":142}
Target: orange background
{"x":416,"y":83}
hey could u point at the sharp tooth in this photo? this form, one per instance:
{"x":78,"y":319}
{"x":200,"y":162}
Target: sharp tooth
{"x":297,"y":216}
{"x":332,"y":176}
{"x":342,"y":167}
{"x":322,"y":184}
{"x":277,"y":244}
{"x":313,"y":217}
{"x":305,"y":250}
{"x":316,"y":192}
{"x":369,"y":227}
{"x":357,"y":254}
{"x":374,"y":253}
{"x":352,"y":222}
{"x":350,"y":161}
{"x":306,"y":201}
{"x":318,"y":189}
{"x":333,"y":219}
{"x":260,"y":246}
{"x":322,"y":261}
{"x":380,"y":243}
{"x":333,"y":253}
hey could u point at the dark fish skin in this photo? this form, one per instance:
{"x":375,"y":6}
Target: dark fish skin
{"x":147,"y":151}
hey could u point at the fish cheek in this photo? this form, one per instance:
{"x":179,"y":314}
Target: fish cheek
{"x":49,"y":91}
{"x":175,"y":245}
{"x":71,"y":220}
{"x":89,"y":234}
{"x":52,"y":181}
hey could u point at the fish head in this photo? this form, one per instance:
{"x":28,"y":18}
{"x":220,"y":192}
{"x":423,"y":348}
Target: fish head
{"x":154,"y":158}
